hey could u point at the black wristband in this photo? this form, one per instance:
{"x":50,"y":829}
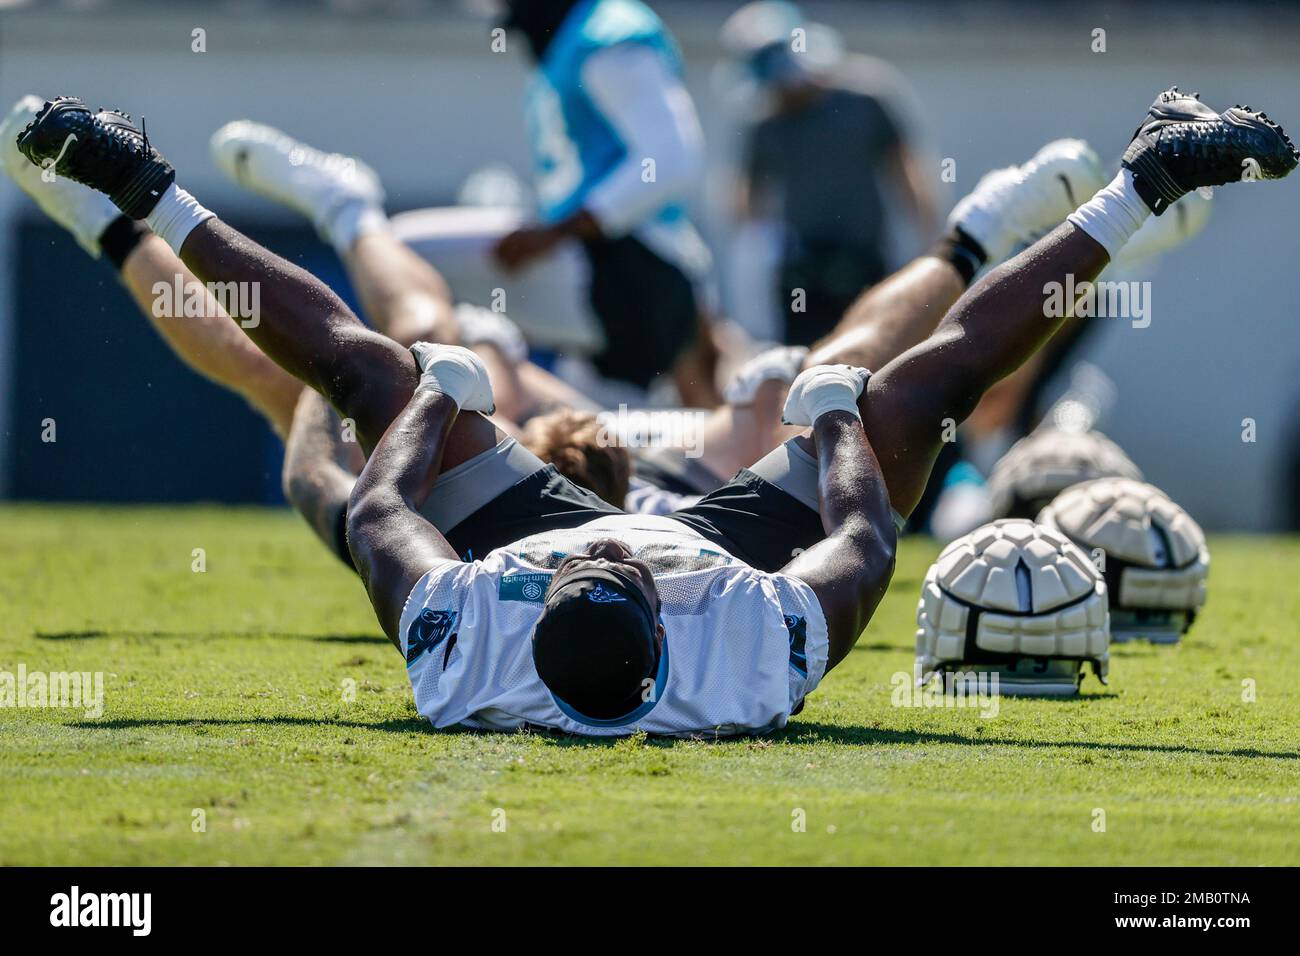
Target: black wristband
{"x":961,"y":252}
{"x":120,"y":239}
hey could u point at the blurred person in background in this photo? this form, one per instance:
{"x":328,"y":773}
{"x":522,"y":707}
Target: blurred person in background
{"x":616,"y":146}
{"x":821,"y":160}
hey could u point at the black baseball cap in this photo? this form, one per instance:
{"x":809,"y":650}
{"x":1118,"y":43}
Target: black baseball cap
{"x":596,"y":642}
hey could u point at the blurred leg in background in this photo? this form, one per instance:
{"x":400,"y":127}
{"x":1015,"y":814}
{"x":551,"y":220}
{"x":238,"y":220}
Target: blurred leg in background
{"x":181,"y":309}
{"x":206,"y":339}
{"x":402,"y":294}
{"x":1007,"y":210}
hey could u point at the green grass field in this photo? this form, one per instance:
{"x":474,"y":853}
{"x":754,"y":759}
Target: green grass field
{"x":225,"y":692}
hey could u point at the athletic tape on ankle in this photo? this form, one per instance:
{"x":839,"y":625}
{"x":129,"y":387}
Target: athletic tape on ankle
{"x":350,"y":222}
{"x":176,"y":215}
{"x":1113,"y":215}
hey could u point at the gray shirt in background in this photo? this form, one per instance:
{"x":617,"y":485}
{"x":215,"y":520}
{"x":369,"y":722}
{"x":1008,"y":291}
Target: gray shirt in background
{"x":821,"y":168}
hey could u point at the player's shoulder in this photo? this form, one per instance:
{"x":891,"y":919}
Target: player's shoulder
{"x":499,"y":591}
{"x":792,"y":599}
{"x":453,"y":582}
{"x":612,"y":21}
{"x":869,"y":77}
{"x":775,"y":588}
{"x":437,"y":585}
{"x":845,"y":100}
{"x":609,"y":24}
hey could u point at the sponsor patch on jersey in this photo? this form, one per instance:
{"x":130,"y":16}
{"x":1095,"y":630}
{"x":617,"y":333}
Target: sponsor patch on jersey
{"x":524,"y":587}
{"x":428,"y":631}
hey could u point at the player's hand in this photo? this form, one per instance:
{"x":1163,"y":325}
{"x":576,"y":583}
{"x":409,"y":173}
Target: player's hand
{"x":457,"y":373}
{"x":526,"y":244}
{"x":822,"y":389}
{"x":781,"y":363}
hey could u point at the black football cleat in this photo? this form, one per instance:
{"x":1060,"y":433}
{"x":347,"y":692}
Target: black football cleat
{"x":101,"y":150}
{"x":1183,"y":144}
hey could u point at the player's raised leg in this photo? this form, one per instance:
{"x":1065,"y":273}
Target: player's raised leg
{"x":205,"y":338}
{"x":321,"y":466}
{"x":201,"y":335}
{"x":303,"y":325}
{"x":402,"y":294}
{"x":1002,"y":320}
{"x":1009,"y":207}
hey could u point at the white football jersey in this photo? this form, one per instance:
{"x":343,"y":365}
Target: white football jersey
{"x":742,"y":648}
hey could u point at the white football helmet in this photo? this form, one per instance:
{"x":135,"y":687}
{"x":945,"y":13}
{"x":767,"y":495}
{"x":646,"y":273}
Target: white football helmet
{"x":1150,"y":551}
{"x":1046,"y":462}
{"x":1019,"y":600}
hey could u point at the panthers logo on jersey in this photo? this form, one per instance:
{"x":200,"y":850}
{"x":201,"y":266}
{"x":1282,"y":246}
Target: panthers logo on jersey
{"x":798,"y":629}
{"x":428,"y":631}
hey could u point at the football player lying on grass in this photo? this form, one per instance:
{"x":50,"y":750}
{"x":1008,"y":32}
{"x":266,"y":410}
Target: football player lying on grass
{"x":568,"y":613}
{"x":406,"y":299}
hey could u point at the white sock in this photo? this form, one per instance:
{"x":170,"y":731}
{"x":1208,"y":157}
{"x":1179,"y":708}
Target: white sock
{"x":346,"y":224}
{"x":176,"y":216}
{"x":1114,"y":214}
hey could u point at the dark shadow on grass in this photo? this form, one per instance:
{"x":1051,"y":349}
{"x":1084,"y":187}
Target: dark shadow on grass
{"x":209,"y":635}
{"x":800,"y":732}
{"x":402,"y":725}
{"x":405,"y":725}
{"x":1140,"y":650}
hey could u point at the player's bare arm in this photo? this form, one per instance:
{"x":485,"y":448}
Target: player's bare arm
{"x":850,"y":570}
{"x":392,"y":544}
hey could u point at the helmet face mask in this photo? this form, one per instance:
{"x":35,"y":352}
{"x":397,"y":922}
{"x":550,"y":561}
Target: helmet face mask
{"x":1144,"y":624}
{"x":1018,"y":676}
